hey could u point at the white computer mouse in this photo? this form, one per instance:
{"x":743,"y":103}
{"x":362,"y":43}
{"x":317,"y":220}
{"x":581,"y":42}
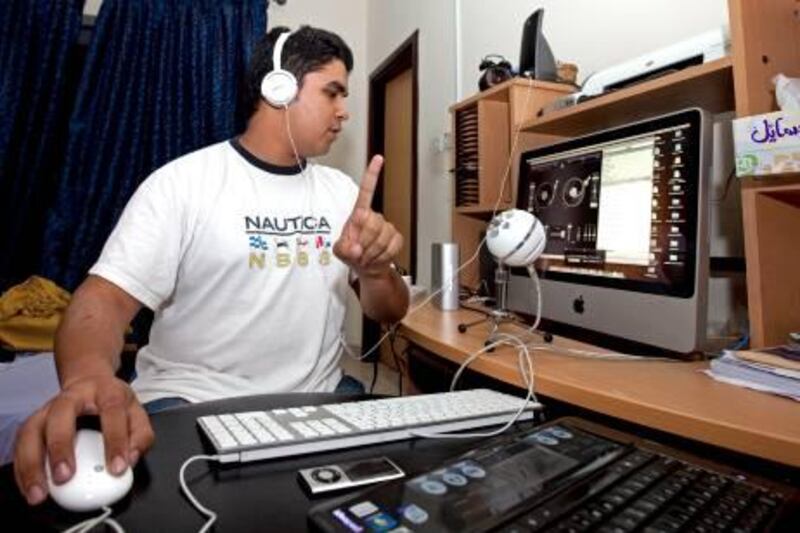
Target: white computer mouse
{"x":92,"y":486}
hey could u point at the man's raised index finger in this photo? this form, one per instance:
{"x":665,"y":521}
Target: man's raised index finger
{"x":368,"y":182}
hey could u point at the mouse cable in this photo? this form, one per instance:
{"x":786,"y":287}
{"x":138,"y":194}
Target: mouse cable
{"x":91,"y":523}
{"x":526,"y":371}
{"x":212,"y":516}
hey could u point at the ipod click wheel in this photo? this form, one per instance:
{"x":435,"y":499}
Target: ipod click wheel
{"x":342,"y":476}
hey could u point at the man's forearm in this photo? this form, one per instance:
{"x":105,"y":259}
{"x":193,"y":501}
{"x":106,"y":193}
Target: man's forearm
{"x":90,"y":339}
{"x":384,"y":296}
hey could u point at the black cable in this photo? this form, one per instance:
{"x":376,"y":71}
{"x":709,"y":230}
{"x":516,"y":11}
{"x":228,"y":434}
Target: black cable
{"x":392,"y":337}
{"x":727,"y":186}
{"x":374,"y":374}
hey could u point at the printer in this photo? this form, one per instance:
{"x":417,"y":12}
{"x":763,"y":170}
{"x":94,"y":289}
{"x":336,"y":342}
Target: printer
{"x":700,"y":49}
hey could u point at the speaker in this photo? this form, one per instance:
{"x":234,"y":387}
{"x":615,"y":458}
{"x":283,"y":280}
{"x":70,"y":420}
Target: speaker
{"x":444,"y":275}
{"x":279,"y":87}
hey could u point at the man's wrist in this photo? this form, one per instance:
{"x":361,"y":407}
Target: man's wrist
{"x":85,"y":370}
{"x":376,"y":273}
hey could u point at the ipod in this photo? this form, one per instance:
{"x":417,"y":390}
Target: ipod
{"x":347,"y":475}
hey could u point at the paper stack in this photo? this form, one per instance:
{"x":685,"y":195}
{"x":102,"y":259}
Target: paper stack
{"x":775,"y":370}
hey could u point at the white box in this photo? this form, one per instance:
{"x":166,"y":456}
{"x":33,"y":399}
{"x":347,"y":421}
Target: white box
{"x":767,"y":144}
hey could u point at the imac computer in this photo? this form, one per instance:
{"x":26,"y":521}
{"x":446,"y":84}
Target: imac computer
{"x":535,"y":57}
{"x":626,"y":218}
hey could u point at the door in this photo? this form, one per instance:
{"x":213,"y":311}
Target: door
{"x":393,"y":109}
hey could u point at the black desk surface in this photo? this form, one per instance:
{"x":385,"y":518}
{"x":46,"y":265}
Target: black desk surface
{"x":257,"y":496}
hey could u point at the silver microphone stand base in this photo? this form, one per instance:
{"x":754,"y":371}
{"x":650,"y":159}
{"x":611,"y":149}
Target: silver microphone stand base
{"x":500,"y":314}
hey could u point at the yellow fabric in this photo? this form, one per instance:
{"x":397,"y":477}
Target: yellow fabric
{"x":30,"y":313}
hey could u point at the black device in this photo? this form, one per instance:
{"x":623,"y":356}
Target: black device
{"x":535,"y":56}
{"x":495,"y":70}
{"x":568,"y":475}
{"x":347,"y":475}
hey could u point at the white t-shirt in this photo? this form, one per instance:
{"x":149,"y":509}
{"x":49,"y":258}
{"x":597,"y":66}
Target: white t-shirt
{"x":235,"y":257}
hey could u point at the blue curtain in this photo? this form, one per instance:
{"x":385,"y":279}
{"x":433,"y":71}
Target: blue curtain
{"x":38,"y":41}
{"x":162,"y":78}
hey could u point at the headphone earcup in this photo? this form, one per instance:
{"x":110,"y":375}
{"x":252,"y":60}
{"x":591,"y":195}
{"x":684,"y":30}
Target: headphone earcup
{"x":279,"y":88}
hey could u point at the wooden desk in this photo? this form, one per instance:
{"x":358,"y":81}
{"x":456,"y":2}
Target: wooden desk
{"x":670,"y":396}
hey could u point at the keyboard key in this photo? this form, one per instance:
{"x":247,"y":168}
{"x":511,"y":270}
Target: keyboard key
{"x":321,"y":428}
{"x":304,"y":429}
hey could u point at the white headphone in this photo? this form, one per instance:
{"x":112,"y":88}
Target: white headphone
{"x":279,"y":87}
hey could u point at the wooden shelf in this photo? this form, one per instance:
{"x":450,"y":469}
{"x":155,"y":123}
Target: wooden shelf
{"x":480,"y":211}
{"x":709,"y":86}
{"x":771,"y":207}
{"x":501,"y":93}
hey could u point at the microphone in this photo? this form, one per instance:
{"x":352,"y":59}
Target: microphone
{"x":516,"y":238}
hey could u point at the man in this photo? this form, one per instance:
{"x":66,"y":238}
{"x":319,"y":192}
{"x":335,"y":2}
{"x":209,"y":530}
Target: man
{"x":245,"y":252}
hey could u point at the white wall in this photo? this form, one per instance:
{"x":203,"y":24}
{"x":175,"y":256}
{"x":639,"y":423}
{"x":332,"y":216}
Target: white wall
{"x":594,"y":34}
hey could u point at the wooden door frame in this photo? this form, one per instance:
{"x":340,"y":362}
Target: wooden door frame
{"x":403,"y":58}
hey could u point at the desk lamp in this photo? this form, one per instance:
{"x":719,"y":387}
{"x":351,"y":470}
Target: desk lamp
{"x":515,"y":238}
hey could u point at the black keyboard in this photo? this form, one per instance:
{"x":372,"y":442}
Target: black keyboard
{"x":569,"y":476}
{"x":654,"y":493}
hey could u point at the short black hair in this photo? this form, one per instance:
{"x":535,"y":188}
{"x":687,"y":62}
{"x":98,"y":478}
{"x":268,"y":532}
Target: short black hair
{"x":307,"y":49}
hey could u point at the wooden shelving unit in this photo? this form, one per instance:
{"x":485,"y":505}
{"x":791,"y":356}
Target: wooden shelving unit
{"x":771,"y":214}
{"x":765,"y":40}
{"x":485,"y":126}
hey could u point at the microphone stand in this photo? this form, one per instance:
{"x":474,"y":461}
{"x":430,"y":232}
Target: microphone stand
{"x":500,"y":313}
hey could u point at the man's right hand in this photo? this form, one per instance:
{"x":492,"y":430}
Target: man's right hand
{"x":50,"y":432}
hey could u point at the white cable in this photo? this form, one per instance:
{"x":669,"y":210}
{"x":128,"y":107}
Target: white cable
{"x":212,"y":516}
{"x":291,"y":141}
{"x":91,"y":523}
{"x":309,"y":181}
{"x":535,"y":276}
{"x":472,"y":258}
{"x":310,"y":184}
{"x":114,"y":525}
{"x":527,"y":375}
{"x":587,"y":354}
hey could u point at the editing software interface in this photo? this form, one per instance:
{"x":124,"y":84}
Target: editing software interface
{"x":620,"y":212}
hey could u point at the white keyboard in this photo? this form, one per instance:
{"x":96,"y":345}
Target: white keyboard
{"x":255,"y":435}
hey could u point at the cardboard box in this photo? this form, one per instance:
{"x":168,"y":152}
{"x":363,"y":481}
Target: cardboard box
{"x":767,"y":144}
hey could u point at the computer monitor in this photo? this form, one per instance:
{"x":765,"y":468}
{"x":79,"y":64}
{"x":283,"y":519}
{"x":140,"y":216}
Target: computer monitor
{"x":535,"y":57}
{"x":625,"y":213}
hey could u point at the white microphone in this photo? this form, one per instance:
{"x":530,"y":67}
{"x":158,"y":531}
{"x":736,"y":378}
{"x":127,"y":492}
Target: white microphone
{"x":516,"y":238}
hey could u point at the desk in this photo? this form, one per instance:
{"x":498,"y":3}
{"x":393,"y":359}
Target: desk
{"x":258,"y":496}
{"x":671,"y":396}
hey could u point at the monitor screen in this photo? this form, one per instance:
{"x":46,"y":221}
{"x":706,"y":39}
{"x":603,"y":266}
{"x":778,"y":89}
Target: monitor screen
{"x":618,"y":211}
